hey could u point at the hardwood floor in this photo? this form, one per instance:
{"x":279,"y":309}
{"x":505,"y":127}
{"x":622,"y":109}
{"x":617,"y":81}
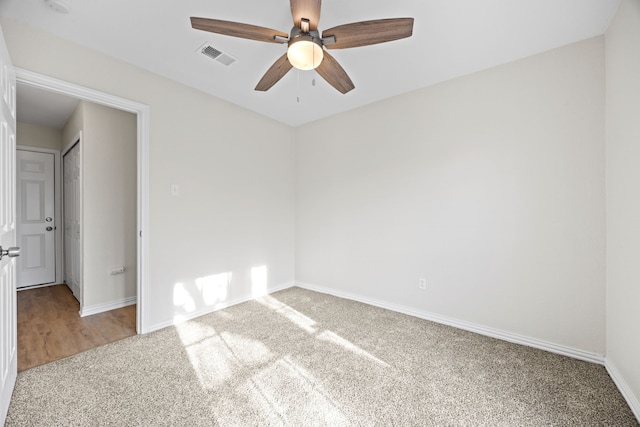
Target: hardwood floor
{"x":50,"y":328}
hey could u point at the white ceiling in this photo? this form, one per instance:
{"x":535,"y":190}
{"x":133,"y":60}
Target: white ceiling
{"x":43,"y":108}
{"x":450,"y":38}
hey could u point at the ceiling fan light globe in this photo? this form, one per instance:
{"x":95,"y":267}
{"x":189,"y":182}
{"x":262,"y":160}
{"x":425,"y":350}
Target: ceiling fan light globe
{"x":305,"y":53}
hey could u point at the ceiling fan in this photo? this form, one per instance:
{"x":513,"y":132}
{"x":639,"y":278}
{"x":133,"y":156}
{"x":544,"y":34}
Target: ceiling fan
{"x":306,"y":48}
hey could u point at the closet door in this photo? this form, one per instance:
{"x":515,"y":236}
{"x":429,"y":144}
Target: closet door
{"x":72,"y":182}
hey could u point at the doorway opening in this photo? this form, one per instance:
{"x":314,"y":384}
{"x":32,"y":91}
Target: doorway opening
{"x":34,"y":80}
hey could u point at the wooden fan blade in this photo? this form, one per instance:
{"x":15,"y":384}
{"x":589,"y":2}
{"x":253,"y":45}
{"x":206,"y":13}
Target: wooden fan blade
{"x":309,"y":9}
{"x":334,"y":74}
{"x":236,"y":29}
{"x":274,"y":74}
{"x":369,"y":32}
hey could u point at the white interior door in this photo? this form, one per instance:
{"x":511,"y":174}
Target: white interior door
{"x":8,"y":319}
{"x":35,"y":201}
{"x":73,"y":221}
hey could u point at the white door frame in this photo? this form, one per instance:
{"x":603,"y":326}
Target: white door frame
{"x":57,"y":189}
{"x":29,"y":78}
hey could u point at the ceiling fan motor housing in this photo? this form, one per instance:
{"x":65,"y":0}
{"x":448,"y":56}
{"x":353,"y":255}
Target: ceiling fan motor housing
{"x":305,"y":49}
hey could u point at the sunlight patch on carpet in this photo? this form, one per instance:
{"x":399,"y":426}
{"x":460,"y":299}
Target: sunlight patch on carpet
{"x":215,"y":358}
{"x":348,"y":345}
{"x":293,"y":315}
{"x":310,"y":326}
{"x":303,"y":400}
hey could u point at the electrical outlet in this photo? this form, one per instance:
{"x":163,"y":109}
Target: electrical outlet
{"x":116,"y":270}
{"x":422,"y":283}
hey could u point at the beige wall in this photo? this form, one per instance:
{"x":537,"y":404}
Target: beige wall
{"x":623,"y":197}
{"x":38,"y":136}
{"x":73,"y":127}
{"x":109,"y":203}
{"x":490,"y":186}
{"x":235,"y":211}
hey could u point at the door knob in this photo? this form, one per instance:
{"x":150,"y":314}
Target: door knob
{"x":48,"y":219}
{"x":11,"y":252}
{"x":49,"y":228}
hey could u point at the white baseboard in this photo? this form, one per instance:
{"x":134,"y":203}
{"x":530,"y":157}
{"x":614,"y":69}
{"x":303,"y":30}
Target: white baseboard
{"x":222,"y":305}
{"x":461,"y":324}
{"x":112,"y":305}
{"x":624,"y":388}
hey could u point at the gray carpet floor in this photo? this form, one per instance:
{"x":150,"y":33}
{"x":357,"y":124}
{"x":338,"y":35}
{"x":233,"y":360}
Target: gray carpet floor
{"x":300,"y":358}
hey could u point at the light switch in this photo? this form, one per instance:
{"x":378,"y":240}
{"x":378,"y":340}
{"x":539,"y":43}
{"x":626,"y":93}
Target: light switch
{"x":175,"y":190}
